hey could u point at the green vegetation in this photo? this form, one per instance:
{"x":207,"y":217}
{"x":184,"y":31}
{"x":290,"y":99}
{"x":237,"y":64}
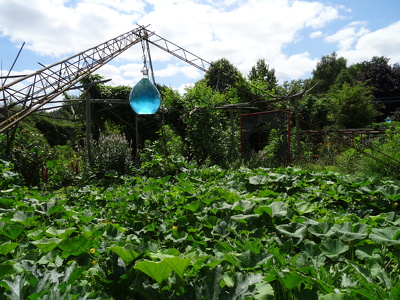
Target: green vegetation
{"x":180,"y":213}
{"x":207,"y":233}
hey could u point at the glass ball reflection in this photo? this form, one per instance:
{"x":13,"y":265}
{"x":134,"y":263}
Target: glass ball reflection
{"x":144,"y":97}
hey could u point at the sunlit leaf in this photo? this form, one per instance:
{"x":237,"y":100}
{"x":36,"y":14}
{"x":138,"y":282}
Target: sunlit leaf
{"x":334,"y":297}
{"x":290,"y":280}
{"x":13,"y":231}
{"x":60,"y":233}
{"x":159,"y":271}
{"x":369,"y":251}
{"x":177,"y":264}
{"x":75,"y":245}
{"x":16,"y":286}
{"x":126,"y":252}
{"x":257,"y":180}
{"x":7,"y":247}
{"x":279,"y":209}
{"x":23,"y":217}
{"x":349,"y":232}
{"x":322,"y":229}
{"x":47,"y":244}
{"x":388,"y":236}
{"x":292,"y":229}
{"x":263,"y":210}
{"x":332,"y":248}
{"x":193,"y":206}
{"x":244,"y":282}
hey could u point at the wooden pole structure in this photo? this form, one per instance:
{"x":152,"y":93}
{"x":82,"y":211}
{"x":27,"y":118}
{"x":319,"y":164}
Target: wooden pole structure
{"x":137,"y":136}
{"x":88,"y":128}
{"x":233,"y":150}
{"x":296,"y":115}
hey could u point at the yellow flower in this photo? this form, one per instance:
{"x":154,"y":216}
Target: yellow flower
{"x":92,"y":250}
{"x":174,"y":227}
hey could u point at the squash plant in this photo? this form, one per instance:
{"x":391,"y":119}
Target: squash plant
{"x":207,"y":233}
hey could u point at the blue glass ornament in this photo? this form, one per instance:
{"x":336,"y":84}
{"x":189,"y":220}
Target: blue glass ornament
{"x":144,"y":97}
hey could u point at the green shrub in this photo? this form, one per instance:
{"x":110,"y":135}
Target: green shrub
{"x":349,"y":161}
{"x":383,"y":158}
{"x":64,"y":167}
{"x":164,"y":156}
{"x":111,"y":151}
{"x":9,"y":178}
{"x":29,"y":152}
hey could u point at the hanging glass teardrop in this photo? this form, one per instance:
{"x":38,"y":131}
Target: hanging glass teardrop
{"x":144,"y":97}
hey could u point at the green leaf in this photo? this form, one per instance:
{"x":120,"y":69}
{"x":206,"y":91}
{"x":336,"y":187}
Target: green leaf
{"x":368,"y":251}
{"x":193,"y":206}
{"x":48,"y":257}
{"x":60,"y":233}
{"x":5,"y":269}
{"x":227,"y":280}
{"x":257,"y":180}
{"x":35,"y":234}
{"x":264,"y":291}
{"x":388,"y":236}
{"x":290,"y":280}
{"x":25,"y":218}
{"x":305,"y":207}
{"x":263,"y":209}
{"x":241,"y":217}
{"x":160,"y":271}
{"x":322,"y":229}
{"x":244,"y":283}
{"x":279,"y":209}
{"x":126,"y":252}
{"x":177,"y":264}
{"x":16,"y":287}
{"x":348,"y":232}
{"x":13,"y":231}
{"x":292,"y":229}
{"x":333,"y":248}
{"x":6,"y":203}
{"x":334,"y":297}
{"x":75,"y":245}
{"x":86,"y":216}
{"x":7,"y":247}
{"x":47,"y":244}
{"x":244,"y":206}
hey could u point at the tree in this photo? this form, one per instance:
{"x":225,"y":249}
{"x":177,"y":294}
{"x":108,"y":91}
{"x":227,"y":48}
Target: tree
{"x":385,"y":79}
{"x":326,"y":71}
{"x":261,"y":72}
{"x":353,"y":106}
{"x":205,"y":135}
{"x":314,"y":112}
{"x":222,"y":75}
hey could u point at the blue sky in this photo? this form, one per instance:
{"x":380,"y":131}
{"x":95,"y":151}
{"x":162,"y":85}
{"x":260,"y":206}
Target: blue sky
{"x":291,"y":36}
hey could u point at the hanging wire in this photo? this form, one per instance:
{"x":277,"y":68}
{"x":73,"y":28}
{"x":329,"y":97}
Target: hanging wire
{"x":147,"y":59}
{"x":144,"y":56}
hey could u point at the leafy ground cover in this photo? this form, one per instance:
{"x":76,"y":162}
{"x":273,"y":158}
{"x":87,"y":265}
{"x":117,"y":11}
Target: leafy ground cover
{"x":204,"y":234}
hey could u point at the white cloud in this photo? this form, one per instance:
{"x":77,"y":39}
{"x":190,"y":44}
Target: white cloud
{"x":183,"y":87}
{"x":251,"y":30}
{"x":348,"y":35}
{"x":295,"y":66}
{"x":242,"y":31}
{"x":49,"y":28}
{"x":316,"y":34}
{"x":364,"y":45}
